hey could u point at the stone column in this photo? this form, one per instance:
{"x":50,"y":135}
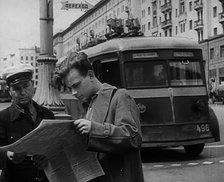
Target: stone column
{"x":46,"y":94}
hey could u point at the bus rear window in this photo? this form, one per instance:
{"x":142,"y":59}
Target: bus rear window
{"x":184,"y":72}
{"x":145,"y":74}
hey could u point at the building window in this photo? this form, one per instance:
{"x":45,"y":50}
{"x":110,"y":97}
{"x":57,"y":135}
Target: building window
{"x":143,"y":13}
{"x":170,"y":31}
{"x":21,"y":57}
{"x":176,"y":12}
{"x":190,"y":6}
{"x":31,"y":57}
{"x":149,"y":10}
{"x":154,"y":21}
{"x":222,"y":51}
{"x":148,"y":25}
{"x":182,"y":27}
{"x":190,"y":24}
{"x":215,"y":31}
{"x":166,"y":33}
{"x":154,"y":8}
{"x":214,"y":11}
{"x":212,"y":53}
{"x":26,"y":57}
{"x":182,"y":7}
{"x":143,"y":28}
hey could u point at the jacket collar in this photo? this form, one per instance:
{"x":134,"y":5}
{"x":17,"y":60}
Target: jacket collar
{"x":102,"y":102}
{"x":15,"y":111}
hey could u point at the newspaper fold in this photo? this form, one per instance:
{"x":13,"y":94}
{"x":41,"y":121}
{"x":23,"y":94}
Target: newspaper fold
{"x":67,"y":152}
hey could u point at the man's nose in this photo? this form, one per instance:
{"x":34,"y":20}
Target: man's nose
{"x":22,"y":90}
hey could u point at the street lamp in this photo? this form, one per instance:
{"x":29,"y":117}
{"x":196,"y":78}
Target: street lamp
{"x":46,"y":94}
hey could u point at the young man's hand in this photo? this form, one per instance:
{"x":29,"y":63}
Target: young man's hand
{"x":82,"y":126}
{"x":16,"y":158}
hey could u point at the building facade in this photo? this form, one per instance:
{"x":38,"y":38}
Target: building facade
{"x":199,"y":20}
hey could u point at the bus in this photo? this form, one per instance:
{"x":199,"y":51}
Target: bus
{"x":4,"y":92}
{"x":166,"y":77}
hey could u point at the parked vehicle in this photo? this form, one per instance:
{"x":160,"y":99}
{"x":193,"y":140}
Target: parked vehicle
{"x":166,"y":77}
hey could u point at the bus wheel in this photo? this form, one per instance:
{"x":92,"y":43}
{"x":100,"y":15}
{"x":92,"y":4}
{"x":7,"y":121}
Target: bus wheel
{"x":194,"y":150}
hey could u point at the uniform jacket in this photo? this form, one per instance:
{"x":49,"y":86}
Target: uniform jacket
{"x":116,"y":135}
{"x":14,"y":124}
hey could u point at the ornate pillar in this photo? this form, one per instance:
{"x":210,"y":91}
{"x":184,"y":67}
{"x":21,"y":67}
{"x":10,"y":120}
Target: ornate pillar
{"x":46,"y":94}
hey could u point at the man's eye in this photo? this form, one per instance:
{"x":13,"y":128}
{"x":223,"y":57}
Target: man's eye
{"x":15,"y":88}
{"x":76,"y":85}
{"x":27,"y":85}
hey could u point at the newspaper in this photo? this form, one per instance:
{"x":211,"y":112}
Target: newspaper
{"x":66,"y":151}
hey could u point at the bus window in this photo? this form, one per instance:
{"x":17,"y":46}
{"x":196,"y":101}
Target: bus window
{"x":111,"y":72}
{"x":145,"y":74}
{"x":184,"y":72}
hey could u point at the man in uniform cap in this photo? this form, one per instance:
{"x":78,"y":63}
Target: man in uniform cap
{"x":17,"y":120}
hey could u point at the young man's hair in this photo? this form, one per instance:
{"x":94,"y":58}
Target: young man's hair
{"x":75,"y":60}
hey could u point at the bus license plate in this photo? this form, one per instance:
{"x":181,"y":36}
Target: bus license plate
{"x":203,"y":128}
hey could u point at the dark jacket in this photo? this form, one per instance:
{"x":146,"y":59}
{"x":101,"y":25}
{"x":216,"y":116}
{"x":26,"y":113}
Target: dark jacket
{"x":116,"y":135}
{"x":14,"y":124}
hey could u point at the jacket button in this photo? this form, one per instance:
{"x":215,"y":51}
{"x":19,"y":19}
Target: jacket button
{"x":106,"y":132}
{"x":121,"y":172}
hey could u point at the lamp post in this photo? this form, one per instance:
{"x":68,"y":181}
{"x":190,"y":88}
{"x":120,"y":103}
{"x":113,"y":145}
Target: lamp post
{"x":46,"y":94}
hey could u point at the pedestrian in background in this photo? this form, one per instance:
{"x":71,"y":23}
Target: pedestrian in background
{"x":16,"y":121}
{"x":111,"y":122}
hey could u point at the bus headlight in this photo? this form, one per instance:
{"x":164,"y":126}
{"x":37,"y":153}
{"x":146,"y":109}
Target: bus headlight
{"x":141,"y":107}
{"x":200,"y":105}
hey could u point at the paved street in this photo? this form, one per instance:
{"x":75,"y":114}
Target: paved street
{"x":173,"y":165}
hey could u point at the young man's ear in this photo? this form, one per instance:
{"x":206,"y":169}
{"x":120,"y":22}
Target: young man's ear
{"x":91,"y":73}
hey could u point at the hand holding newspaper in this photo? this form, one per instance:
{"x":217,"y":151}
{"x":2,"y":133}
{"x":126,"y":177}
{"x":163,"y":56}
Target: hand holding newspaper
{"x":66,"y":151}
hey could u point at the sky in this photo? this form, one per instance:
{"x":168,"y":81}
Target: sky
{"x":20,"y":25}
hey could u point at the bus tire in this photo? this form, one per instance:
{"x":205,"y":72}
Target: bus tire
{"x":194,"y":150}
{"x":214,"y":125}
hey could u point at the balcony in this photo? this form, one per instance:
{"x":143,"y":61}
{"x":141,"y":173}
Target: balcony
{"x":198,"y":5}
{"x":221,"y":17}
{"x":198,"y":25}
{"x":166,"y":24}
{"x":166,"y":7}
